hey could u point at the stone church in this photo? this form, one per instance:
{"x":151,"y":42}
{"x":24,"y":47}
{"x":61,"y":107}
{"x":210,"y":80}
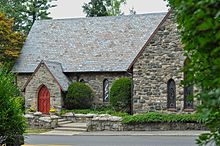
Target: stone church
{"x":98,"y":51}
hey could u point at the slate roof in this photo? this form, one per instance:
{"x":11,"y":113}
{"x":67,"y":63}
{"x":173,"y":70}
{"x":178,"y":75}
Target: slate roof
{"x":97,"y":44}
{"x":57,"y":71}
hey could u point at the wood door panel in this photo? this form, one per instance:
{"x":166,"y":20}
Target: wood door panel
{"x":44,"y":100}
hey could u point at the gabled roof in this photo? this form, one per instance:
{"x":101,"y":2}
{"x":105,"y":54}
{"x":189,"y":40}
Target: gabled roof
{"x":56,"y":71}
{"x":149,"y":40}
{"x":88,"y":44}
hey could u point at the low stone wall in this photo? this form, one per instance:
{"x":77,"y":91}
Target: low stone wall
{"x":113,"y":123}
{"x":37,"y":120}
{"x":163,"y":126}
{"x":79,"y":117}
{"x":105,"y":122}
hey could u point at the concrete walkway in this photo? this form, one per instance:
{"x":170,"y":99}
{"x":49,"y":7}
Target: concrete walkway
{"x":127,"y":133}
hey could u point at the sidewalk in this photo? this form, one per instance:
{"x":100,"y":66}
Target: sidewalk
{"x":127,"y":133}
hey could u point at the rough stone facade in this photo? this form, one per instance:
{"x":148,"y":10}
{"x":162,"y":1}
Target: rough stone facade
{"x":95,"y":81}
{"x":159,"y":61}
{"x":42,"y":76}
{"x":162,"y":59}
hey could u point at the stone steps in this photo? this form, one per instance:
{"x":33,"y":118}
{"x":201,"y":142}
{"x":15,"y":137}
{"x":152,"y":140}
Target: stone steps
{"x":61,"y":120}
{"x":65,"y":125}
{"x":64,"y":122}
{"x":75,"y":125}
{"x":70,"y":129}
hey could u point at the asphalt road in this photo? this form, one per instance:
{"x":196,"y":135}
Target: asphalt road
{"x":111,"y":140}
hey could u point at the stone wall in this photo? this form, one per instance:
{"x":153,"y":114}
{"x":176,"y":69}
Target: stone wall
{"x":114,"y":123}
{"x":37,"y":120}
{"x":95,"y":81}
{"x":163,"y":126}
{"x":162,"y":59}
{"x":42,"y":77}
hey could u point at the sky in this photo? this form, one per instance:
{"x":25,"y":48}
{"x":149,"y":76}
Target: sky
{"x":73,"y":8}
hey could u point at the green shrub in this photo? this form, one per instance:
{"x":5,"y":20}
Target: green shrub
{"x":120,"y":95}
{"x":79,"y":96}
{"x":153,"y":117}
{"x":12,"y":123}
{"x":21,"y":101}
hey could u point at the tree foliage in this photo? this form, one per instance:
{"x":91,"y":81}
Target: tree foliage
{"x":199,"y":23}
{"x":14,"y":9}
{"x":11,"y":119}
{"x":25,"y":12}
{"x":96,"y":8}
{"x":37,"y":10}
{"x":10,"y":41}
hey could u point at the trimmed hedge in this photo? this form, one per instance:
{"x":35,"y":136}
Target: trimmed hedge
{"x":120,"y":95}
{"x":79,"y":96}
{"x":154,"y":117}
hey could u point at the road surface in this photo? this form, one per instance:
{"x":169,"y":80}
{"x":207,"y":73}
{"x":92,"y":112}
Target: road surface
{"x":111,"y":140}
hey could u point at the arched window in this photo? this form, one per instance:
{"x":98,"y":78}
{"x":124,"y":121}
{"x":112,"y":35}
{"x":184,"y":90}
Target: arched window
{"x":188,"y":97}
{"x":188,"y":89}
{"x":105,"y":90}
{"x":171,"y":94}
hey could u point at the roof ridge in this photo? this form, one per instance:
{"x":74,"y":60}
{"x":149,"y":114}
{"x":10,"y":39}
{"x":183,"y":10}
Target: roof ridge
{"x":79,"y":18}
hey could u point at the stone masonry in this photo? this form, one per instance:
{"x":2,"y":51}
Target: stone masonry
{"x":41,"y":77}
{"x":95,"y":81}
{"x":161,"y":60}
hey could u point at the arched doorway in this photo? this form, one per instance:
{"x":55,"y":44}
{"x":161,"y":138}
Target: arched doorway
{"x":44,"y":100}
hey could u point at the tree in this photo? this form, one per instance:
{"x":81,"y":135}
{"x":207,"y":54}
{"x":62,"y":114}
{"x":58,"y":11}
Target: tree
{"x":9,"y":6}
{"x":12,"y":121}
{"x":27,"y":11}
{"x":96,"y":8}
{"x":199,"y":25}
{"x":37,"y":10}
{"x":11,"y":42}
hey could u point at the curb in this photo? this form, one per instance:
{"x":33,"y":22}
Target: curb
{"x":126,"y":133}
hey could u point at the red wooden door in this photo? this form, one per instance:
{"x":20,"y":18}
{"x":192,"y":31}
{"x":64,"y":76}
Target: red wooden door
{"x":44,"y":100}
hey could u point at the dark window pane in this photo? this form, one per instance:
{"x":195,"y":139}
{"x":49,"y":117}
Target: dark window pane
{"x":105,"y":90}
{"x":171,"y":94}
